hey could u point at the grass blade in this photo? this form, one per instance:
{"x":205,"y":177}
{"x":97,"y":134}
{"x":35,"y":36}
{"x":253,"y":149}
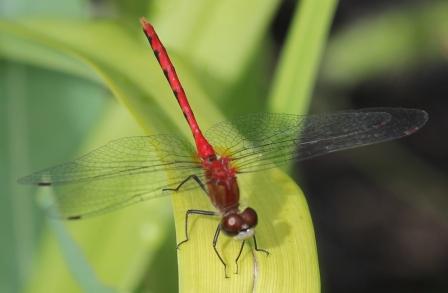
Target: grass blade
{"x":296,"y":73}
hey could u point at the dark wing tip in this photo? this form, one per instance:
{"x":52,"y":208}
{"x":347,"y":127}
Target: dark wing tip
{"x":77,"y":217}
{"x":44,"y":183}
{"x":32,"y":180}
{"x":411,"y":119}
{"x":404,"y":121}
{"x":423,"y":117}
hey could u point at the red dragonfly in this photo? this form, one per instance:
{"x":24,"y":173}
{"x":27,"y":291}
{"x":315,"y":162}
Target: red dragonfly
{"x":133,"y":169}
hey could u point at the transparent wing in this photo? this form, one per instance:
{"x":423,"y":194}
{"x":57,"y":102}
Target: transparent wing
{"x":260,"y":141}
{"x":120,"y":173}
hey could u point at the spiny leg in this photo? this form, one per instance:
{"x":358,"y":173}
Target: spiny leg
{"x":238,"y":257}
{"x":194,"y":212}
{"x":215,"y":240}
{"x":196,"y":178}
{"x":259,"y":249}
{"x":189,"y":212}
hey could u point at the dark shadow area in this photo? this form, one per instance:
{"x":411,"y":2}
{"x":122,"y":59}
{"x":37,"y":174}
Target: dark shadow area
{"x":383,"y":226}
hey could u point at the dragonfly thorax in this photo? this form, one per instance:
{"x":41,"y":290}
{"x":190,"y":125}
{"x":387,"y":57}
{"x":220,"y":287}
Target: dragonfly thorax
{"x":240,"y":225}
{"x":218,"y":168}
{"x":222,"y":185}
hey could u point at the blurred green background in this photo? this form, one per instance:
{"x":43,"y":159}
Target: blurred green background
{"x":380,"y":213}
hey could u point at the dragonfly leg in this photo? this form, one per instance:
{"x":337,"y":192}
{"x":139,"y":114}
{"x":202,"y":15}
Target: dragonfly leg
{"x":238,"y":257}
{"x":259,"y":249}
{"x":194,"y":177}
{"x":215,"y":241}
{"x":193,"y":212}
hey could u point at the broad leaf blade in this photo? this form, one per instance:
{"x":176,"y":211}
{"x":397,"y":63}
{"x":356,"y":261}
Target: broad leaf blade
{"x":285,"y":229}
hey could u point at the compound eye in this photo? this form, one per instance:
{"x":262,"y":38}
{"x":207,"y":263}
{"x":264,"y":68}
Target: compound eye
{"x":231,"y":224}
{"x":249,"y":217}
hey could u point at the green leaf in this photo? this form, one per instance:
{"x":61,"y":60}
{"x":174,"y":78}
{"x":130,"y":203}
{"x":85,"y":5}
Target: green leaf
{"x":124,"y":63}
{"x":113,"y":249}
{"x":68,"y":8}
{"x":285,"y":230}
{"x":294,"y":79}
{"x":36,"y":108}
{"x":219,"y":37}
{"x":389,"y":42}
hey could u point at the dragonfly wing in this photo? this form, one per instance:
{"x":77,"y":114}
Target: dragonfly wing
{"x":120,"y":173}
{"x":263,"y":140}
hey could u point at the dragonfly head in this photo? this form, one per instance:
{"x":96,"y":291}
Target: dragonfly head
{"x":240,"y":225}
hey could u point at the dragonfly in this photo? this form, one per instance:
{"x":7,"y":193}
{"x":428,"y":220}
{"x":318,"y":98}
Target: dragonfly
{"x":135,"y":169}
